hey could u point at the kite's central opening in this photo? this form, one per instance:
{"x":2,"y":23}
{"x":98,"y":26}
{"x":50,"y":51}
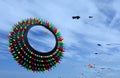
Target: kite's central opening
{"x":41,"y":39}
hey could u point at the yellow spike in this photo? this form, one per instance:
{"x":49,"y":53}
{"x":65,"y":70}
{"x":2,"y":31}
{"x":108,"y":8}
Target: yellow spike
{"x":10,"y":43}
{"x":18,"y":37}
{"x":30,"y":57}
{"x":56,"y":32}
{"x":29,"y":66}
{"x":61,"y":41}
{"x":21,"y":27}
{"x":51,"y":55}
{"x":44,"y":69}
{"x":17,"y":60}
{"x":18,"y":52}
{"x":29,"y":61}
{"x":31,"y":52}
{"x":17,"y":57}
{"x":24,"y":44}
{"x":13,"y":39}
{"x":21,"y":48}
{"x":41,"y":56}
{"x":41,"y":60}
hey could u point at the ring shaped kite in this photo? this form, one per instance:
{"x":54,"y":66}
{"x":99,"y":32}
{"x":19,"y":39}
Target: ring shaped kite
{"x":28,"y":57}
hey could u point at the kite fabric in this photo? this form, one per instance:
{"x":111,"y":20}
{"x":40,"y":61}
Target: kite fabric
{"x":28,"y":57}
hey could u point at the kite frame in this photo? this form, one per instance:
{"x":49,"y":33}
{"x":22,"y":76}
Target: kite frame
{"x":28,"y":57}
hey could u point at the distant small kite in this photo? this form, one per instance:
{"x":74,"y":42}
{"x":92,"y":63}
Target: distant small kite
{"x":96,"y":53}
{"x":113,"y":44}
{"x":90,"y":16}
{"x":28,"y":57}
{"x":90,"y":66}
{"x":75,"y":17}
{"x":99,"y":44}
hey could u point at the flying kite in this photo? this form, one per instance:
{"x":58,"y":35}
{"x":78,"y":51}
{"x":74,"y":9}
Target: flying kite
{"x":24,"y":53}
{"x":90,"y":66}
{"x":90,"y":16}
{"x":109,"y":44}
{"x":75,"y":17}
{"x":113,"y":44}
{"x":99,"y":44}
{"x":98,"y":53}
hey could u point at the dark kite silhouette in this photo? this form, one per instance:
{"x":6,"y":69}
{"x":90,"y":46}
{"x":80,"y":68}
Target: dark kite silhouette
{"x":90,"y":16}
{"x":75,"y":17}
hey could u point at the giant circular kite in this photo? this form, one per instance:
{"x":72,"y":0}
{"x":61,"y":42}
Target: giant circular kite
{"x":26,"y":55}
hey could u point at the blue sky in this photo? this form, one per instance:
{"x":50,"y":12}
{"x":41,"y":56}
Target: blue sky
{"x":80,"y":36}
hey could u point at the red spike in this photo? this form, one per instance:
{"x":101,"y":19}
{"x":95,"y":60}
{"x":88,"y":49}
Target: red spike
{"x":60,"y":39}
{"x":55,"y":30}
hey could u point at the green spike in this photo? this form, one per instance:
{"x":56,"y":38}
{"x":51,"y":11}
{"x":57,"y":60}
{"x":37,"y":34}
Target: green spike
{"x":58,"y":35}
